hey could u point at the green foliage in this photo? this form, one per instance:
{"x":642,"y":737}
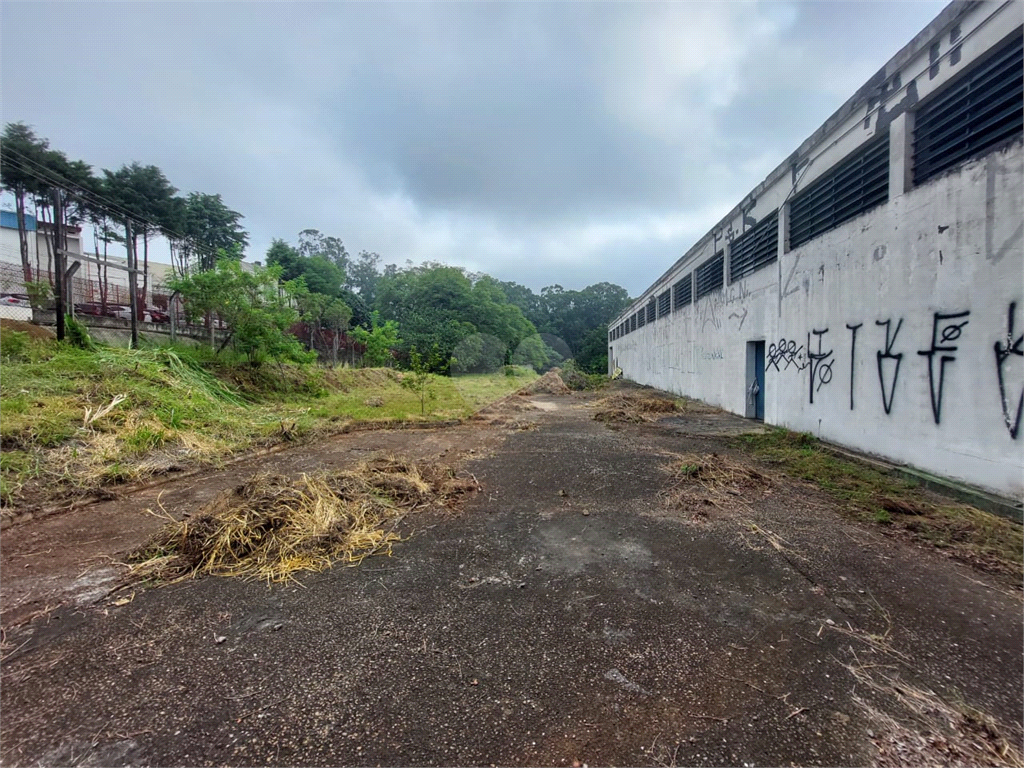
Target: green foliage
{"x":76,"y":335}
{"x":211,"y":230}
{"x":579,"y":380}
{"x":580,"y":318}
{"x":315,"y":244}
{"x":534,"y":352}
{"x":251,"y":303}
{"x":40,"y":293}
{"x":882,"y":517}
{"x":378,"y":341}
{"x":13,"y":345}
{"x":420,"y":379}
{"x":438,"y":304}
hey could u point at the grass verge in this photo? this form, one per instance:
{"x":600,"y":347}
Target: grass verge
{"x":984,"y":540}
{"x":74,"y":421}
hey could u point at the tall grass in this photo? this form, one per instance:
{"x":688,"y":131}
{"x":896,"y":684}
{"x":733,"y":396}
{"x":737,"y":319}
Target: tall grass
{"x":180,"y":406}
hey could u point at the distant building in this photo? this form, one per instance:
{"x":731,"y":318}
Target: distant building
{"x":90,"y":276}
{"x":871,"y":289}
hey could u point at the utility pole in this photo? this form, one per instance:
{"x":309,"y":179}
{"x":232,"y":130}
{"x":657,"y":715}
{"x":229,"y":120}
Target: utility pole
{"x":133,"y":298}
{"x":58,"y":262}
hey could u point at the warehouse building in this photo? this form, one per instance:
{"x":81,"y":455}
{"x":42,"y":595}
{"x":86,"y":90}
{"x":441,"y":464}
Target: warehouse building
{"x":870,"y":291}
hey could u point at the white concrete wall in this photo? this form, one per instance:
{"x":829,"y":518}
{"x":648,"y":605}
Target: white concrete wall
{"x":951,"y":246}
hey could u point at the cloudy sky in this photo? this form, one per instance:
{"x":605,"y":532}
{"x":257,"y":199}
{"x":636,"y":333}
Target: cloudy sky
{"x":565,"y":142}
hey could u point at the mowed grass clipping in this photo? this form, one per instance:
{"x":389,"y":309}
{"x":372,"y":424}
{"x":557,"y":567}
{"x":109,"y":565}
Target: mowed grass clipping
{"x":980,"y":538}
{"x":271,"y":527}
{"x":74,"y":421}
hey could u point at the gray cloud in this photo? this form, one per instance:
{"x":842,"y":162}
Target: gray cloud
{"x":548,"y":143}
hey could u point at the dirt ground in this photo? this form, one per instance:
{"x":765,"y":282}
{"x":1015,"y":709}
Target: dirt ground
{"x":569,"y":614}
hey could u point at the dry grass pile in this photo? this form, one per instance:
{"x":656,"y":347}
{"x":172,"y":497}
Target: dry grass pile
{"x":930,"y":731}
{"x":549,"y":384}
{"x":271,"y":527}
{"x":632,"y":408}
{"x":701,"y":481}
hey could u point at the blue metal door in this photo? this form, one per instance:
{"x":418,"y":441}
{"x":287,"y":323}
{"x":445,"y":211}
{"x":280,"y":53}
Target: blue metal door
{"x":759,"y":377}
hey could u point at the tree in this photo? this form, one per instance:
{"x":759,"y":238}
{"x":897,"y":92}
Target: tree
{"x":436,"y":303}
{"x":314,"y":243}
{"x":320,"y":311}
{"x":363,"y":276}
{"x":210,"y":227}
{"x":378,"y":341}
{"x":336,"y":317}
{"x":146,"y":195}
{"x":420,"y":379}
{"x":21,"y":151}
{"x":288,"y":258}
{"x":253,"y":306}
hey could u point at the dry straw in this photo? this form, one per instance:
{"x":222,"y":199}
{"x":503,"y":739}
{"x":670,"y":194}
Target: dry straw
{"x":271,"y":527}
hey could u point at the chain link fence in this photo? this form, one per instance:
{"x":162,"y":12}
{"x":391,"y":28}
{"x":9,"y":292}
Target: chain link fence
{"x":97,"y":296}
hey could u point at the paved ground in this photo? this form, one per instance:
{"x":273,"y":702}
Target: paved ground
{"x":565,"y":616}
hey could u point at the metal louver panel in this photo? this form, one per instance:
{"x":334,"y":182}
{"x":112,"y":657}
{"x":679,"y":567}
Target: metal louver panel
{"x":632,"y":323}
{"x":755,"y":248}
{"x":665,"y":304}
{"x":710,"y":276}
{"x":651,"y":309}
{"x":683,"y":292}
{"x":641,"y":318}
{"x":981,"y":109}
{"x":857,"y":184}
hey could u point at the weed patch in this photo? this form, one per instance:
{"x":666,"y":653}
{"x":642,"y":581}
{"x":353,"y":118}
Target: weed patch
{"x":986,"y":541}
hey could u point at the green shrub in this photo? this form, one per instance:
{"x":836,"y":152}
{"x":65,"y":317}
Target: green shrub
{"x":76,"y":334}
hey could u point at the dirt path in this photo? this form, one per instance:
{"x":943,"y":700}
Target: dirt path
{"x":567,"y":615}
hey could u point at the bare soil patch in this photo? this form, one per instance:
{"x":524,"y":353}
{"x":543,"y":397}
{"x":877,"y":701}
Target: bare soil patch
{"x":549,"y":384}
{"x":23,"y":326}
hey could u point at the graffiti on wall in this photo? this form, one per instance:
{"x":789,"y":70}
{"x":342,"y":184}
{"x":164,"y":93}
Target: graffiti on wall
{"x":889,"y":363}
{"x":947,"y":331}
{"x":1005,"y":349}
{"x":784,"y":355}
{"x":853,"y":355}
{"x":820,"y":363}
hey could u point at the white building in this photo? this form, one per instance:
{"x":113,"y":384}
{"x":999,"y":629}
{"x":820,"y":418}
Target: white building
{"x":871,"y":289}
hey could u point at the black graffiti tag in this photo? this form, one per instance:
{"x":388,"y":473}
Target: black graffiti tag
{"x":1003,"y":352}
{"x":853,"y":355}
{"x":786,"y":352}
{"x":944,"y":333}
{"x":821,"y":365}
{"x":888,"y":357}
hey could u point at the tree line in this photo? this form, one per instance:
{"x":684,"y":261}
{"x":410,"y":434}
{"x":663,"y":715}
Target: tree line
{"x":430,"y":311}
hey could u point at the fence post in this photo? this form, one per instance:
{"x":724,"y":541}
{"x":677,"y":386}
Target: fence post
{"x":133,"y":299}
{"x":172,"y":310}
{"x":69,"y":275}
{"x":58,"y":263}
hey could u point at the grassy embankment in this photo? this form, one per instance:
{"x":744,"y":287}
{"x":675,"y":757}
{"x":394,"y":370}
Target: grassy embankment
{"x":74,"y":421}
{"x":895,"y":502}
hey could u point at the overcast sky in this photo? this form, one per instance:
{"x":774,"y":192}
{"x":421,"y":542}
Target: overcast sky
{"x":544,"y":143}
